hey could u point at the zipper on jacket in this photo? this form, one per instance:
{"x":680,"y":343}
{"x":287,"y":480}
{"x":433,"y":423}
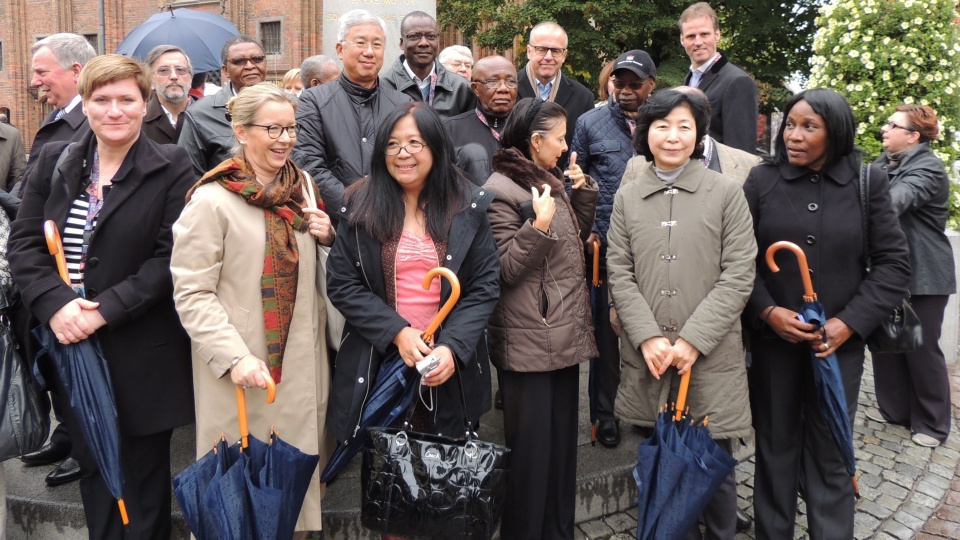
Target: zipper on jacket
{"x":544,"y":299}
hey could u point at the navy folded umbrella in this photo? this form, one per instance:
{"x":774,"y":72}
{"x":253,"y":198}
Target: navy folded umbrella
{"x":394,"y":388}
{"x":595,"y":307}
{"x":831,"y":396}
{"x":250,"y":490}
{"x":678,"y":470}
{"x":82,"y":369}
{"x":200,"y":34}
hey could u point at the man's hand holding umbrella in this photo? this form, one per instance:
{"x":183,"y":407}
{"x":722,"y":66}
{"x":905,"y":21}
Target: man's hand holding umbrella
{"x":76,"y":321}
{"x":787,"y":324}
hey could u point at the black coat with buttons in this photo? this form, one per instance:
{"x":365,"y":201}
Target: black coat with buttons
{"x":357,"y":288}
{"x":127,"y":272}
{"x":820,"y":212}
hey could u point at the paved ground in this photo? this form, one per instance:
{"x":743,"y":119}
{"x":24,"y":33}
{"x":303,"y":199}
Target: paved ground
{"x":907,"y":492}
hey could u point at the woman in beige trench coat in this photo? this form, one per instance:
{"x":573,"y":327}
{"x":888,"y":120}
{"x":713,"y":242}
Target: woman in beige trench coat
{"x":217,"y":266}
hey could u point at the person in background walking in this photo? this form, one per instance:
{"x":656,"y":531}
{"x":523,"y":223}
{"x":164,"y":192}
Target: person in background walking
{"x":913,"y":388}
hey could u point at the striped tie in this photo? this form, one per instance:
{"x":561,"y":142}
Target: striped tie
{"x":60,"y":114}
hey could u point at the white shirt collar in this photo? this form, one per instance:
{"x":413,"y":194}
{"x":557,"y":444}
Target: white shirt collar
{"x":706,"y":65}
{"x":420,"y":82}
{"x":73,"y":103}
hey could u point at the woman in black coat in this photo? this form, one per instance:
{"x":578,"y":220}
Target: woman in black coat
{"x":122,"y":193}
{"x":913,"y":388}
{"x":361,"y":282}
{"x":808,"y":194}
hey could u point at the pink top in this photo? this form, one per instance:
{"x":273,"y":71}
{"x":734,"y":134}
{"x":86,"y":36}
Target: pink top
{"x":415,"y":257}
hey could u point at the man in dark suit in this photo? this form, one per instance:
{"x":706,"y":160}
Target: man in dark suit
{"x":541,"y":77}
{"x":207,"y":135}
{"x":732,"y":93}
{"x":57,"y":62}
{"x":475,"y":134}
{"x":172,"y":74}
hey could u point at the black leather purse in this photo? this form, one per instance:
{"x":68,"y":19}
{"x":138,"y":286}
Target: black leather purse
{"x":428,"y":486}
{"x":900,"y":331}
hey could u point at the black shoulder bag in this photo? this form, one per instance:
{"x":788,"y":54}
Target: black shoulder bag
{"x":900,"y":331}
{"x":428,"y":486}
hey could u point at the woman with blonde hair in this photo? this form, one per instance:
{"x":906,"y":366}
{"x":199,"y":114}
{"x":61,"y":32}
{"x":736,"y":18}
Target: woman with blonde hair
{"x":245,"y":283}
{"x":292,"y":83}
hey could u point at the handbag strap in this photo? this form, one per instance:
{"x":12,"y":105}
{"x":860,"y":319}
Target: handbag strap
{"x":467,"y":426}
{"x":865,"y":214}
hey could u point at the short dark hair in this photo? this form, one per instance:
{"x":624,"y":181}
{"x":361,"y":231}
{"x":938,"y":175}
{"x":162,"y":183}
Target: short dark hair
{"x":225,"y":51}
{"x":377,"y":200}
{"x":415,"y":15}
{"x":837,"y":117}
{"x":659,"y":107}
{"x":518,"y":128}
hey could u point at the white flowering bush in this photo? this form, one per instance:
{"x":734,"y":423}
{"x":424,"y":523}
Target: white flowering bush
{"x":881,"y":53}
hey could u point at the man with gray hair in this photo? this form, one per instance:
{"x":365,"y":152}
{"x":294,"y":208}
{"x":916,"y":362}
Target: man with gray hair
{"x":317,"y":70}
{"x":339,"y":121}
{"x":172,"y":74}
{"x":207,"y":135}
{"x":57,"y":61}
{"x":458,"y":59}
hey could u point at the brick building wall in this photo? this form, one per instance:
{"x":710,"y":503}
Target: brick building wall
{"x":30,"y":20}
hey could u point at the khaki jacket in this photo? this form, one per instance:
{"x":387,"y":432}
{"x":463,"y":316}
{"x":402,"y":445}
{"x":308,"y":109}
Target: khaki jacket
{"x":681,"y":264}
{"x":217,"y":264}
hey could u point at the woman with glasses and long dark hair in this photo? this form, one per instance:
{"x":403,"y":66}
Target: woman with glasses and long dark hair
{"x":808,"y":193}
{"x":540,"y":331}
{"x":414,"y":212}
{"x":245,"y":284}
{"x":913,"y":388}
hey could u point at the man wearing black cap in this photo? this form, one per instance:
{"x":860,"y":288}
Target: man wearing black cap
{"x":603,"y":143}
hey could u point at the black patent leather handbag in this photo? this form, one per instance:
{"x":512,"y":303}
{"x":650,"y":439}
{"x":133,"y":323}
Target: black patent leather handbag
{"x":427,"y":486}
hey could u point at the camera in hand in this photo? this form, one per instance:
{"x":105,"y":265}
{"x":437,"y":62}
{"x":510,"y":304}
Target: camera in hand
{"x":427,"y":364}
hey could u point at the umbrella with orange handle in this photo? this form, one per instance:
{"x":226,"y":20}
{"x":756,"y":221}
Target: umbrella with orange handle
{"x":596,"y":305}
{"x":831,"y":396}
{"x":395,"y":386}
{"x":82,"y":369}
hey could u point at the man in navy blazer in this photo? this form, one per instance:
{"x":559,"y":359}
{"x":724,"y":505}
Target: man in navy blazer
{"x":732,"y":93}
{"x":541,"y":77}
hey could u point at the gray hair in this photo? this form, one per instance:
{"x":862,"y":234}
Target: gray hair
{"x":68,"y":49}
{"x":244,"y":106}
{"x":447,"y":53}
{"x":357,"y":17}
{"x":160,"y":50}
{"x":225,"y":51}
{"x":316,"y":67}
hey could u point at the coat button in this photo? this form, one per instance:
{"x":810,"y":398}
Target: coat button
{"x":357,"y":264}
{"x":811,"y":239}
{"x":815,"y":178}
{"x":360,"y":380}
{"x":813,"y":207}
{"x":343,"y":209}
{"x":481,"y":193}
{"x":93,"y":262}
{"x":91,"y":292}
{"x":449,"y":257}
{"x":474,"y":205}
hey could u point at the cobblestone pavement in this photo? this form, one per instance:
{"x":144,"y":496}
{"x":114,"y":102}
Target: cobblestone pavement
{"x":907,"y":491}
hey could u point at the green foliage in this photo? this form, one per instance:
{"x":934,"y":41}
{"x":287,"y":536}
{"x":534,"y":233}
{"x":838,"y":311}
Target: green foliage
{"x":881,"y":53}
{"x":770,"y":39}
{"x":953,"y":221}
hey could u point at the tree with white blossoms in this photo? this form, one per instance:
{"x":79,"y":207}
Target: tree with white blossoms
{"x":881,"y":53}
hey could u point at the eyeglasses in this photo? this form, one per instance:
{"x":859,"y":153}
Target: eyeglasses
{"x":240,"y":62}
{"x":542,"y":51}
{"x":894,"y":125}
{"x":276,"y":130}
{"x":393,"y":149}
{"x":431,"y":36}
{"x":457,"y":64}
{"x":635,"y":86}
{"x":493,"y":84}
{"x":361,"y":44}
{"x":164,"y":71}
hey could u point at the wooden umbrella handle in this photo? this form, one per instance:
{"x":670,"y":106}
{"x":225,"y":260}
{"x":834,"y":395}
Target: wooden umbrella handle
{"x":596,"y":264}
{"x":682,"y":395}
{"x":55,"y":247}
{"x":808,"y":293}
{"x":242,"y":407}
{"x":447,"y":306}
